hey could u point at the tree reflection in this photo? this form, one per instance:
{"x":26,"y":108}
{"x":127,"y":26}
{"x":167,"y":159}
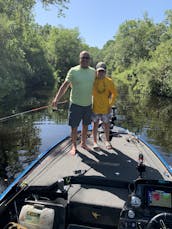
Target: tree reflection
{"x":147,"y":116}
{"x":19,"y":140}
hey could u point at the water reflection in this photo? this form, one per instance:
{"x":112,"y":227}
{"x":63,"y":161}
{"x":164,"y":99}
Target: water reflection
{"x":51,"y":133}
{"x":149,"y":117}
{"x":24,"y":137}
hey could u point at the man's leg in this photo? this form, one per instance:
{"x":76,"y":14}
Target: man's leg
{"x":75,"y":115}
{"x":84,"y":137}
{"x":86,"y":120}
{"x":95,"y":128}
{"x":74,"y":138}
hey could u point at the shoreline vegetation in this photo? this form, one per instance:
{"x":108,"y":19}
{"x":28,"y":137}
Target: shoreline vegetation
{"x":37,"y":57}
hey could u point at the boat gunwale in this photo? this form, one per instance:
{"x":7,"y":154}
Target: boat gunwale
{"x":29,"y":168}
{"x":156,"y":152}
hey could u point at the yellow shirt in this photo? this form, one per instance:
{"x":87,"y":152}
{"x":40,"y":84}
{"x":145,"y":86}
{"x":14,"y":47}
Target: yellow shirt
{"x":104,"y":95}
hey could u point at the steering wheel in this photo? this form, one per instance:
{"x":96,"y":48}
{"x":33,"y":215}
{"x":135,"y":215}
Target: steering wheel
{"x":159,"y":220}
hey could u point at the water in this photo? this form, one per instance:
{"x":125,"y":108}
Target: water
{"x":149,"y":117}
{"x":24,"y":137}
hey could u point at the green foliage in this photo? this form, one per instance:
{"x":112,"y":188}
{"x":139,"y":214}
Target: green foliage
{"x":34,"y":57}
{"x":142,"y":50}
{"x":12,"y":63}
{"x":95,"y":55}
{"x":135,"y":40}
{"x":23,"y":64}
{"x":108,"y":54}
{"x":63,"y":47}
{"x":161,"y":82}
{"x":61,"y":4}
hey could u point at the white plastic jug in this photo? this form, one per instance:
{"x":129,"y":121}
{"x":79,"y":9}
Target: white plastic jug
{"x":36,"y":217}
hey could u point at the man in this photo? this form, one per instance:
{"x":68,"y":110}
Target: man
{"x":104,"y":95}
{"x":80,"y":78}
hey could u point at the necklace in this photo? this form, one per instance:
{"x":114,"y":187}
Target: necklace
{"x":100,"y":86}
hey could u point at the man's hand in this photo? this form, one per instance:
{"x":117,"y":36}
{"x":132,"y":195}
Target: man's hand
{"x":62,"y":90}
{"x":54,"y":104}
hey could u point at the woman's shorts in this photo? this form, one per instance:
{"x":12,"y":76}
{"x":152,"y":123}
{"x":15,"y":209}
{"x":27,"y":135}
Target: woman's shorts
{"x":101,"y":117}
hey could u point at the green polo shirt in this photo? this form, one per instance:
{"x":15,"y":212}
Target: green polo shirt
{"x":82,"y":80}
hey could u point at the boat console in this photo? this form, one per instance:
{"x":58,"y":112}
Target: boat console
{"x":148,"y":206}
{"x":76,"y":202}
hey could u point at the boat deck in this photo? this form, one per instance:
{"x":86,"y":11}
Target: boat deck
{"x":118,"y":163}
{"x":112,"y":165}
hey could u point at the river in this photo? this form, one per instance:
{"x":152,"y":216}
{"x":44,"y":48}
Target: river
{"x":25,"y":136}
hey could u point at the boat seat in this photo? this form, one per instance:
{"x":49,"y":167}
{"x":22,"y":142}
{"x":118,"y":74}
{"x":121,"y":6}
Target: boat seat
{"x":95,"y":206}
{"x":75,"y":226}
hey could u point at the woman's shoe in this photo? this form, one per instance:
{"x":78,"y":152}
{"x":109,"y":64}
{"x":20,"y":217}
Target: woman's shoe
{"x":108,"y":145}
{"x":96,"y":147}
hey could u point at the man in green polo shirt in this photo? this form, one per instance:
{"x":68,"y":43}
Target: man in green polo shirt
{"x":81,"y":79}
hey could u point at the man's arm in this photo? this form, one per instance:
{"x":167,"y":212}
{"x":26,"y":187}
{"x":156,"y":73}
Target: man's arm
{"x":62,"y":90}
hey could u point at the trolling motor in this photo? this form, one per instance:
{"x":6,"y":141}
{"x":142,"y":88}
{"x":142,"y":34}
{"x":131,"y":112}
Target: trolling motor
{"x":141,"y":167}
{"x":112,"y":123}
{"x":113,"y":117}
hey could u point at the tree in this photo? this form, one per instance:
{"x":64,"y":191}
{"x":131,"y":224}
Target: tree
{"x":63,"y":47}
{"x":161,"y":71}
{"x":23,"y":64}
{"x":134,"y":41}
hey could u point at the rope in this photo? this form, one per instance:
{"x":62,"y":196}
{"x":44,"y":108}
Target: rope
{"x":29,"y":111}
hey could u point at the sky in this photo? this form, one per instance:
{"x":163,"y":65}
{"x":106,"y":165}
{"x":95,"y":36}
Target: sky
{"x":98,"y":20}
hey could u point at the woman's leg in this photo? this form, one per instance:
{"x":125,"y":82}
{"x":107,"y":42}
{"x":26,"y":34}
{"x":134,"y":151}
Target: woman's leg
{"x":106,"y":129}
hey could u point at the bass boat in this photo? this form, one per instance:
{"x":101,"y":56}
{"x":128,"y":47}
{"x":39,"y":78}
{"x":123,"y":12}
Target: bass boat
{"x":128,"y":186}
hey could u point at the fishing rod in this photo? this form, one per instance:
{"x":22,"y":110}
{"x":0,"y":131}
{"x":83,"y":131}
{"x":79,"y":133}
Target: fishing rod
{"x":29,"y":111}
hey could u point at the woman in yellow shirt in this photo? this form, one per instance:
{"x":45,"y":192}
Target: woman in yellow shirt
{"x":104,"y":95}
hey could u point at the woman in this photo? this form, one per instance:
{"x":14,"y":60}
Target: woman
{"x":104,"y":95}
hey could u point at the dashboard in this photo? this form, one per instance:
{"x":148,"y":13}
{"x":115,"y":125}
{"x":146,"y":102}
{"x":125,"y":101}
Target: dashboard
{"x":148,"y":198}
{"x":157,"y":197}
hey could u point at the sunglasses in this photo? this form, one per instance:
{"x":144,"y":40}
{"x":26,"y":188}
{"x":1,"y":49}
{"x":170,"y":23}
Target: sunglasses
{"x":85,"y":58}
